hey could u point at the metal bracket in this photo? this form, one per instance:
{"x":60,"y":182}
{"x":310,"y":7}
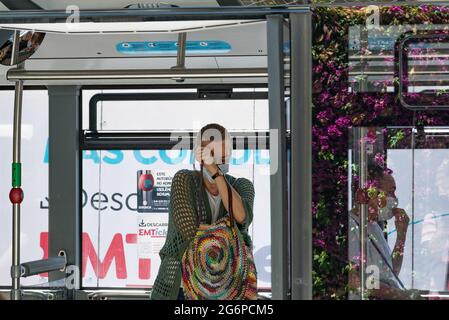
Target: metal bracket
{"x":16,"y":271}
{"x":214,"y":93}
{"x":63,"y":254}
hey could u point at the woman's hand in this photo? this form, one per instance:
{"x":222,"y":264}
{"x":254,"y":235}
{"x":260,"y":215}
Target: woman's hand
{"x":401,"y":221}
{"x":205,"y":154}
{"x":373,"y":209}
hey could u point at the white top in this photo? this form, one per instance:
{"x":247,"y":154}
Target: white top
{"x":214,"y":202}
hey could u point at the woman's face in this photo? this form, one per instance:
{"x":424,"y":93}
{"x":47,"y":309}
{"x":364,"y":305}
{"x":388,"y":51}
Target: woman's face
{"x":218,"y":151}
{"x":387,"y":184}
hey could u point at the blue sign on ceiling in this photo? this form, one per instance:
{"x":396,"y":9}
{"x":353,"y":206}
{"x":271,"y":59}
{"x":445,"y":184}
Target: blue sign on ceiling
{"x":171,"y":47}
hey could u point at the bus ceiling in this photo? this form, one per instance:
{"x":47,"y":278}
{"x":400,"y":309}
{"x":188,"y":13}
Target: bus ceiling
{"x":212,"y":53}
{"x":110,"y":4}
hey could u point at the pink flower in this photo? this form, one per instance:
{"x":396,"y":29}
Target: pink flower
{"x":379,"y":159}
{"x":324,"y":116}
{"x":343,"y":122}
{"x":333,"y":130}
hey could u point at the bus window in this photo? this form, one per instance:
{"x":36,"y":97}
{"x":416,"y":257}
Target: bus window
{"x":34,"y":213}
{"x":119,"y":247}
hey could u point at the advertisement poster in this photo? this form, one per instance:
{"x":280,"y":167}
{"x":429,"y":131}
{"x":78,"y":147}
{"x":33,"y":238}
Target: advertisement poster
{"x":151,"y":235}
{"x":153,"y":191}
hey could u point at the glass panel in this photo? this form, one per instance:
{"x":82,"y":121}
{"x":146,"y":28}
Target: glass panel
{"x":34,"y":157}
{"x":183,"y":114}
{"x":430,"y":257}
{"x":420,"y":51}
{"x":120,"y":108}
{"x":403,"y":173}
{"x":116,"y":249}
{"x":379,"y":203}
{"x":355,"y":88}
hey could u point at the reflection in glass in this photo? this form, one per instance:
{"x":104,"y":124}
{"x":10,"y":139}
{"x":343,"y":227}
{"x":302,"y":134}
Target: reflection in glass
{"x":393,"y":192}
{"x":29,"y":43}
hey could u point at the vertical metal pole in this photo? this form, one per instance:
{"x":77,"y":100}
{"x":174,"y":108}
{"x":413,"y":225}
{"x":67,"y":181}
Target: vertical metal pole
{"x":301,"y":160}
{"x":364,"y":62}
{"x":363,"y":165}
{"x":181,"y":58}
{"x":16,"y":194}
{"x":17,"y":120}
{"x":16,"y":184}
{"x":278,"y":179}
{"x":64,"y":224}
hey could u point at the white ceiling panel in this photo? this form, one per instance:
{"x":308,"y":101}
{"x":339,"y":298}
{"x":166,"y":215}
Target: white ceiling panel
{"x":117,"y":4}
{"x":126,"y":27}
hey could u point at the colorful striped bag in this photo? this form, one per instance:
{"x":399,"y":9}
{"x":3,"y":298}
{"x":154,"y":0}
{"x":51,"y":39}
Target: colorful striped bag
{"x":218,"y":265}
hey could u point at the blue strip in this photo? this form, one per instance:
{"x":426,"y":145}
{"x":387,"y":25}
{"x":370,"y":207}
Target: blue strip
{"x":171,"y":47}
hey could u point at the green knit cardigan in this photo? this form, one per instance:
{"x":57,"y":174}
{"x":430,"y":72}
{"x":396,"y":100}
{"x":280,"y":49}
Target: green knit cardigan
{"x":183,"y":224}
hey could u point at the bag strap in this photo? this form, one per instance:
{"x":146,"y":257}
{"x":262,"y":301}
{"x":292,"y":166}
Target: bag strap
{"x":230,"y":211}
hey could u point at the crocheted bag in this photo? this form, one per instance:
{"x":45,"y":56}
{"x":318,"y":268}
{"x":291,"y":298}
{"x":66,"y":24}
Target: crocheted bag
{"x":218,"y":265}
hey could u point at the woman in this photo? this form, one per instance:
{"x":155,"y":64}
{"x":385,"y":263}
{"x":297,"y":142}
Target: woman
{"x":200,"y":197}
{"x":382,"y":206}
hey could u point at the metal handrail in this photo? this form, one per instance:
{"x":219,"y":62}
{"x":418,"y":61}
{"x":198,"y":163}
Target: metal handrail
{"x":18,"y":74}
{"x":104,"y":295}
{"x":42,"y":295}
{"x":33,"y":293}
{"x":143,"y":294}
